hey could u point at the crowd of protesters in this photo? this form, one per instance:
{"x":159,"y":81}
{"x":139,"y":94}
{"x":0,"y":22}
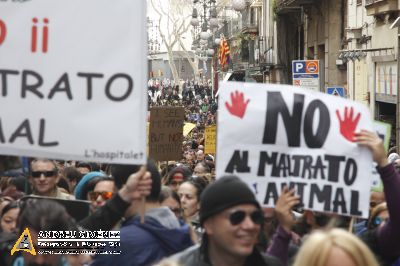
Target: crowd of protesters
{"x":197,"y":98}
{"x":179,"y":213}
{"x":200,"y":110}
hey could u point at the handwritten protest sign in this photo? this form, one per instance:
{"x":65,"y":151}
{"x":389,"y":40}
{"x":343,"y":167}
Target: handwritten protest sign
{"x":73,"y":79}
{"x":166,"y":133}
{"x":210,"y":139}
{"x":281,"y":135}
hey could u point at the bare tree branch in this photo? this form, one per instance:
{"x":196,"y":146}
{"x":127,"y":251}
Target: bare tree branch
{"x":173,"y":22}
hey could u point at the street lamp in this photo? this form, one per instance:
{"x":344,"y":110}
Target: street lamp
{"x":204,"y":14}
{"x":204,"y":34}
{"x":210,"y":52}
{"x":195,"y":20}
{"x":239,"y":5}
{"x":208,"y":17}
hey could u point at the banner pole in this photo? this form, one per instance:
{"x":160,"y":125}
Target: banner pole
{"x":143,"y":207}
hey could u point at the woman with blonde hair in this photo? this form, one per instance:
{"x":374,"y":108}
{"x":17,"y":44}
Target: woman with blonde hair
{"x":334,"y":247}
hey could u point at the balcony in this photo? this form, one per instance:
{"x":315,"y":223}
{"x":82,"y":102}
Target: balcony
{"x":250,"y":29}
{"x":380,"y":7}
{"x":232,"y":27}
{"x":251,"y":19}
{"x":293,"y":2}
{"x":289,"y":6}
{"x":267,"y":54}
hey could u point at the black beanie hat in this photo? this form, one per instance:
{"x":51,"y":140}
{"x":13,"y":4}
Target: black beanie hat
{"x":226,"y":192}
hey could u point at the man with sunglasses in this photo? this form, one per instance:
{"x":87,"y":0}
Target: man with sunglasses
{"x":232,"y":219}
{"x":43,"y":179}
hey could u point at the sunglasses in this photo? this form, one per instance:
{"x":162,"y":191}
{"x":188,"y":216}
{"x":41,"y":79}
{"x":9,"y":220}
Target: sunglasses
{"x":378,"y":220}
{"x":37,"y":174}
{"x":238,"y":217}
{"x":106,"y":195}
{"x":373,"y":204}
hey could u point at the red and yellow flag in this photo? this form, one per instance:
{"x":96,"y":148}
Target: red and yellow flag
{"x":224,"y":52}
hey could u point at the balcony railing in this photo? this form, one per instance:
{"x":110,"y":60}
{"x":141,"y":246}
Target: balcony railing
{"x":371,"y":2}
{"x":289,"y":3}
{"x":378,"y":7}
{"x":258,"y":52}
{"x":266,"y":51}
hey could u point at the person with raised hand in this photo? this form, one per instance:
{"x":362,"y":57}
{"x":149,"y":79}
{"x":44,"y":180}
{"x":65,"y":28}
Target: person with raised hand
{"x":137,"y":186}
{"x":384,"y":241}
{"x":283,"y":212}
{"x":145,"y":241}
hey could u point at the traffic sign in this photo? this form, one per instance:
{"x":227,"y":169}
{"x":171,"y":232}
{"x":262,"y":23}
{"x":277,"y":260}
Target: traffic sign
{"x":337,"y":91}
{"x":306,"y":73}
{"x":305,"y":67}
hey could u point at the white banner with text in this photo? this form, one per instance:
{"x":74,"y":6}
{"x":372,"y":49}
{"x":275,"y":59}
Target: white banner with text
{"x":73,"y":79}
{"x":272,"y":136}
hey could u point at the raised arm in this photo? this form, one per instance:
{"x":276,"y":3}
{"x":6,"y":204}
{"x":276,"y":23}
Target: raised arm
{"x":283,"y":211}
{"x":388,"y":236}
{"x":137,"y":186}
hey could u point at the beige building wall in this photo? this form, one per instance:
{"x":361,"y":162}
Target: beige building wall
{"x":323,"y":41}
{"x":334,"y":27}
{"x":362,"y":74}
{"x":359,"y":71}
{"x":383,"y":36}
{"x":361,"y":81}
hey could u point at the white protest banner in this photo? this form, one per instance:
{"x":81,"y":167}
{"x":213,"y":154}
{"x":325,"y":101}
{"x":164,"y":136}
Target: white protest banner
{"x":74,"y":79}
{"x":271,"y":136}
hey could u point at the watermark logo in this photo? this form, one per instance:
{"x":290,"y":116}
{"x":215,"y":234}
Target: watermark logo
{"x":69,"y":242}
{"x":24,"y":243}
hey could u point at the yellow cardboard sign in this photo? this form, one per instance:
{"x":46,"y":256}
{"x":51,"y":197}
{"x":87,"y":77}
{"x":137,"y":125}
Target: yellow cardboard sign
{"x":24,"y":243}
{"x":187,"y":128}
{"x":210,"y":140}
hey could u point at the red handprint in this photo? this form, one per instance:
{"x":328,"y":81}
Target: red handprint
{"x":348,"y":125}
{"x":238,"y":107}
{"x":3,"y":31}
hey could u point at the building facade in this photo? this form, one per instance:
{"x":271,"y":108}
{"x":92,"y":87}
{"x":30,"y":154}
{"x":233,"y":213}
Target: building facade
{"x":312,"y":30}
{"x":158,"y":66}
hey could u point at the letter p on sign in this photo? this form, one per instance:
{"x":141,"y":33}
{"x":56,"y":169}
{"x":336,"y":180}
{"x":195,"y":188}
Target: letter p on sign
{"x":298,"y":67}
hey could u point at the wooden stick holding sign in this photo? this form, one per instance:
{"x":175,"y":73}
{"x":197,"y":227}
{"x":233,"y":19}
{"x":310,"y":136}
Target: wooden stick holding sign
{"x":351,"y":224}
{"x":143,"y":205}
{"x":142,"y":210}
